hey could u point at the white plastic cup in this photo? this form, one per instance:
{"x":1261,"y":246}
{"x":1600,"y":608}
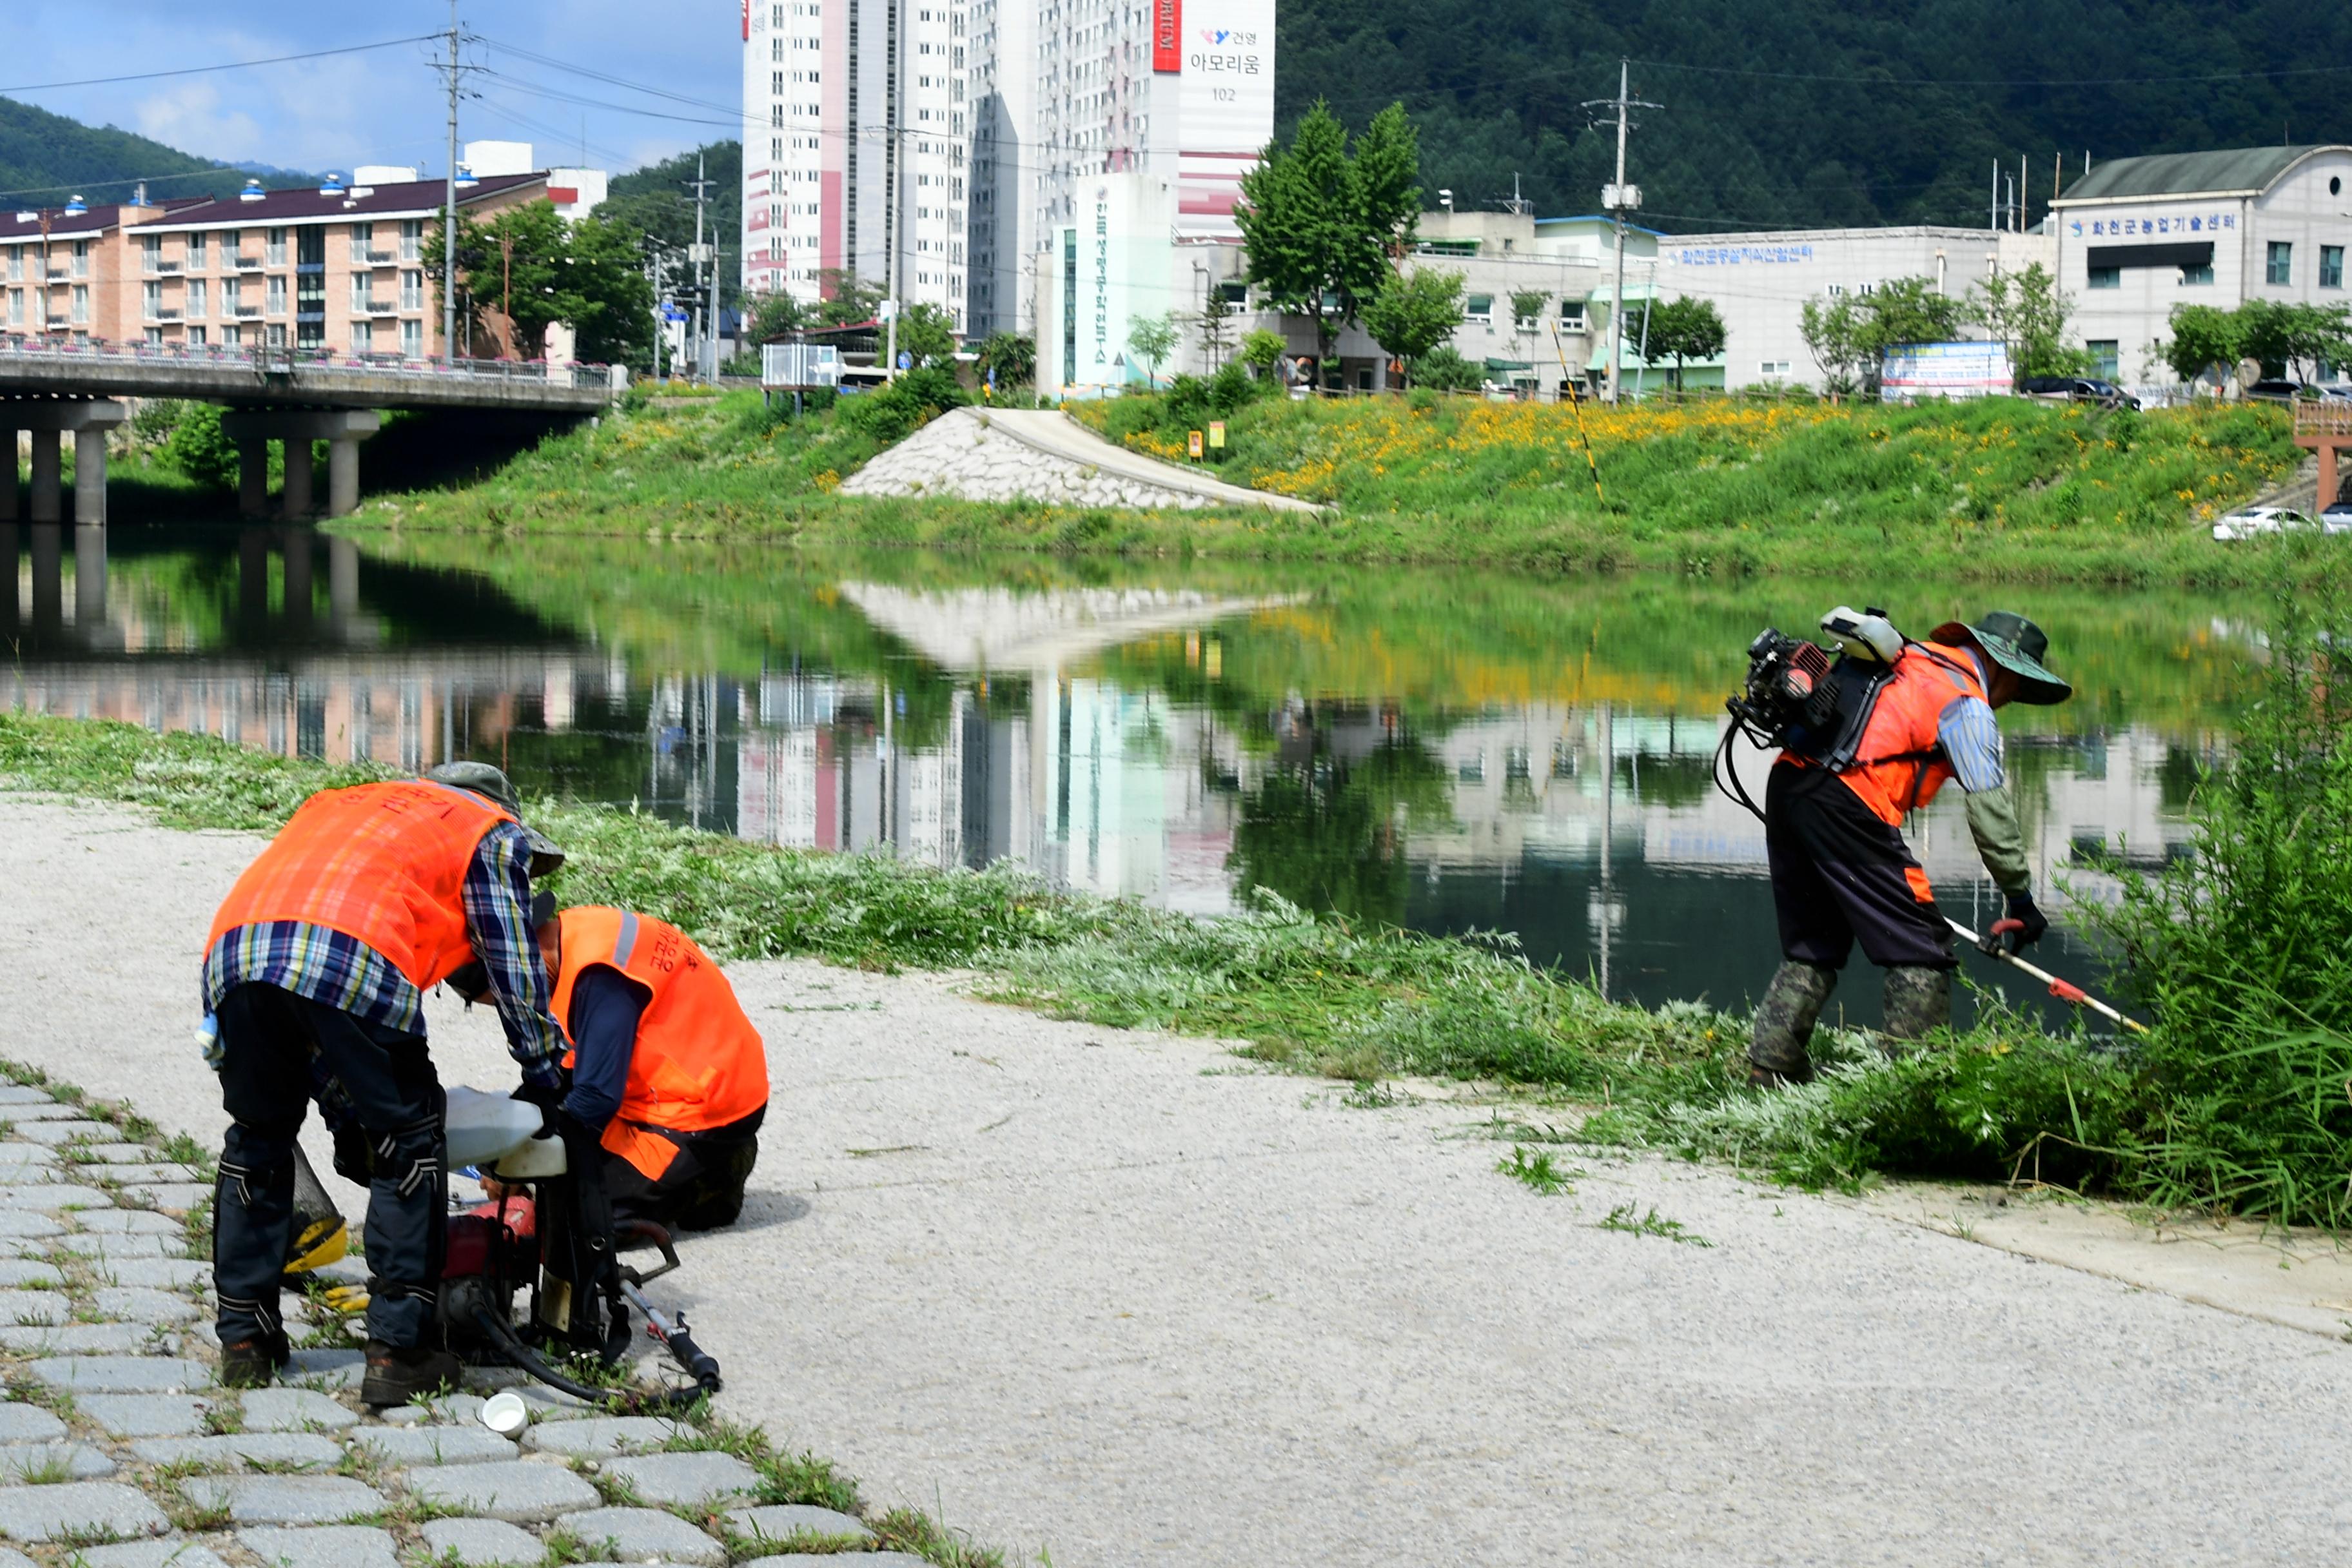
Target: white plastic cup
{"x":505,"y":1412}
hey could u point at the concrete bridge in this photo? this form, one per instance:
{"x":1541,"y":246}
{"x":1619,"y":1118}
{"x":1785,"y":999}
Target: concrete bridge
{"x":293,"y":397}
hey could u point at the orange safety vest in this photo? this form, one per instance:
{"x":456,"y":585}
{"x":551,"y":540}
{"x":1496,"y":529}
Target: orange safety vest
{"x":1900,"y":765}
{"x":385,"y":864}
{"x":698,"y":1063}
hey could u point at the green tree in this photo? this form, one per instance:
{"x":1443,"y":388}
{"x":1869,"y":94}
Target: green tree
{"x":2206,"y":339}
{"x":927,"y":332}
{"x":1415,"y":313}
{"x":1151,"y":339}
{"x":773,"y":317}
{"x":529,"y":262}
{"x":658,"y":201}
{"x":1834,"y":331}
{"x":1911,"y":310}
{"x":1261,"y":350}
{"x":2028,"y":312}
{"x":846,"y":301}
{"x":1322,"y":223}
{"x":1012,"y":356}
{"x":1527,"y":308}
{"x":1442,"y":369}
{"x":1685,"y":329}
{"x":197,"y":447}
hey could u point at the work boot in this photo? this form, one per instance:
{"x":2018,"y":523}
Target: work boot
{"x":1784,"y":1025}
{"x":398,"y":1374}
{"x":254,"y":1362}
{"x":1918,"y":1002}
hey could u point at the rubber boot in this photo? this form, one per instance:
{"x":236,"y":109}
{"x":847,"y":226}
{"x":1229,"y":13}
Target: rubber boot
{"x":1784,"y":1025}
{"x":1918,"y":1002}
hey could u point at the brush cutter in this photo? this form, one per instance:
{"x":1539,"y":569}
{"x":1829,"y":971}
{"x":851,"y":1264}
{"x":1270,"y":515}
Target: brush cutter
{"x":549,"y":1242}
{"x":2065,"y":991}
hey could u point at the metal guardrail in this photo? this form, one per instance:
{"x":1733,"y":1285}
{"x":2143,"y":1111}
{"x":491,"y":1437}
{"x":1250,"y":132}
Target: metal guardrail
{"x":263,"y":360}
{"x":2327,"y":418}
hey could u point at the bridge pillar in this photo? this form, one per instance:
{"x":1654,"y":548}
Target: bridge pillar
{"x":296,"y":501}
{"x":48,"y":419}
{"x":90,"y":475}
{"x":342,"y":429}
{"x":8,"y":470}
{"x":252,"y":478}
{"x":46,"y":469}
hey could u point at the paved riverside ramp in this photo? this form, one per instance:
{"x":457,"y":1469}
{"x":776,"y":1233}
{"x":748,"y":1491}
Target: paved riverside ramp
{"x":1118,"y":1295}
{"x":1040,"y":455}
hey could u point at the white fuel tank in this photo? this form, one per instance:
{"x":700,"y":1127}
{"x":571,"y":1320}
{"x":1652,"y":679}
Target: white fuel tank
{"x":490,"y":1130}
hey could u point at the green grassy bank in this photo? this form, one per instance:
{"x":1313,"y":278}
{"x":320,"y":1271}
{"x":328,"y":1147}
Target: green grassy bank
{"x":2001,"y":489}
{"x":1366,"y":1002}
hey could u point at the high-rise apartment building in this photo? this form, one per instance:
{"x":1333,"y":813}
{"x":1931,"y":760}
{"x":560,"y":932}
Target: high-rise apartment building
{"x":1067,"y":90}
{"x":968,"y":130}
{"x":856,"y":146}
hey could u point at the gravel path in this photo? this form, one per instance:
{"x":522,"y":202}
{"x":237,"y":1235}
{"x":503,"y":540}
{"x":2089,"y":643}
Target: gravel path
{"x":1119,"y":1296}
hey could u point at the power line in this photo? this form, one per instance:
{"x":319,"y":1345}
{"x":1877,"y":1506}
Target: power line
{"x":224,"y":66}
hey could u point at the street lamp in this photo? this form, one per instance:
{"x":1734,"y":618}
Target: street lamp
{"x":1445,"y":199}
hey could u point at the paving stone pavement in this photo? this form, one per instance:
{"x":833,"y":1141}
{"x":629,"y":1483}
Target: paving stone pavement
{"x":114,"y":1426}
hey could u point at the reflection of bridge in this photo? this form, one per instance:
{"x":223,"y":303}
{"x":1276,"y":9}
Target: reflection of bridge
{"x":51,"y":388}
{"x":1003,"y":629}
{"x":34,"y":610}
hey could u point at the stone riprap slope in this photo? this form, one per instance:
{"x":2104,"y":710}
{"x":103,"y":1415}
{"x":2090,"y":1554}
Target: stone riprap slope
{"x":1006,"y":455}
{"x":118,"y":1449}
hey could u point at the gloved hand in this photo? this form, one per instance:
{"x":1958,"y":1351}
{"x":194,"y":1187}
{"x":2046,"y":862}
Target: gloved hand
{"x":547,"y":1097}
{"x":2020,"y":929}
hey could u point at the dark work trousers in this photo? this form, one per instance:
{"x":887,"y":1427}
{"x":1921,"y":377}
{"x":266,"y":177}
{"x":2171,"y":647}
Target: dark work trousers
{"x":1840,"y":875}
{"x":702,"y":1189}
{"x":270,"y":1039}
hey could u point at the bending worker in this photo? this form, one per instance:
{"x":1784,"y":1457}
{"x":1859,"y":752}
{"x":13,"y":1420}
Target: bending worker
{"x":667,"y":1073}
{"x":314,"y":971}
{"x":1841,"y":871}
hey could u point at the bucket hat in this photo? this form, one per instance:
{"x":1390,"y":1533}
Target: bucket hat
{"x":493,"y":785}
{"x":2017,"y":644}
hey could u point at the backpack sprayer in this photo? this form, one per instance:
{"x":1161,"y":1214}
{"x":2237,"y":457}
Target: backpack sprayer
{"x":549,"y":1242}
{"x":1797,"y":699}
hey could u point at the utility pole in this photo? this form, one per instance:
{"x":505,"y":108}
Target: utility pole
{"x":449,"y":213}
{"x":895,"y":227}
{"x":1619,"y":199}
{"x":694,"y":259}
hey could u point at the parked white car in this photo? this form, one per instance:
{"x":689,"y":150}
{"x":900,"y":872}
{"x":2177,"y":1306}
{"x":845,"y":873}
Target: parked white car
{"x":2337,"y":519}
{"x":2256,"y":520}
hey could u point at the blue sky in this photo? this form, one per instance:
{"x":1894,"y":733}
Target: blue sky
{"x":386,"y":106}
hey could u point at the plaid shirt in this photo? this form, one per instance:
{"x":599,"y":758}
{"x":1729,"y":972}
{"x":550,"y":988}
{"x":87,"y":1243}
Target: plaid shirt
{"x":345,"y":973}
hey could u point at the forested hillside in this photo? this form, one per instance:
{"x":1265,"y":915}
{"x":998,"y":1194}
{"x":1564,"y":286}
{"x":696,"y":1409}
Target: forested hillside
{"x":44,"y":158}
{"x":659,"y":200}
{"x":1816,"y":112}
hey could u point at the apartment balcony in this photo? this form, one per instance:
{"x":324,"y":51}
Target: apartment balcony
{"x":412,"y":301}
{"x":163,"y":313}
{"x":160,"y":269}
{"x":382,"y":258}
{"x":59,"y":323}
{"x":247,"y":263}
{"x":249,"y":313}
{"x":380,"y":307}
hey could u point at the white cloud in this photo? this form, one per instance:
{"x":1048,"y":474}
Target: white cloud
{"x":190,"y":116}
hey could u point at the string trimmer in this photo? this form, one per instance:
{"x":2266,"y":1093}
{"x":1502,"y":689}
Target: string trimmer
{"x":2064,"y":990}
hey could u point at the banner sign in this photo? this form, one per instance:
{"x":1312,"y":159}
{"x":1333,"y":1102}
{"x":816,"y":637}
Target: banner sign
{"x":747,"y":21}
{"x":1944,"y":369}
{"x":1167,"y":36}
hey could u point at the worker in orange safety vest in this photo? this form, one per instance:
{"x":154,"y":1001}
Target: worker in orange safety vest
{"x":667,"y":1071}
{"x":1841,"y":870}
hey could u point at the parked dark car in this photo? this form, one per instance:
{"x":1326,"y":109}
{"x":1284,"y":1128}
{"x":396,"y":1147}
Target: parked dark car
{"x":2076,"y":389}
{"x":2280,"y":389}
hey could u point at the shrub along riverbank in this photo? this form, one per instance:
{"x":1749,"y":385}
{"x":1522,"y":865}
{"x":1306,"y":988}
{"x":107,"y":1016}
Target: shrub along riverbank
{"x":2001,"y":489}
{"x":2237,"y":1101}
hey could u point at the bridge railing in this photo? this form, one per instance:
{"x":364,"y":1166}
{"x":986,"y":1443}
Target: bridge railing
{"x":263,"y":360}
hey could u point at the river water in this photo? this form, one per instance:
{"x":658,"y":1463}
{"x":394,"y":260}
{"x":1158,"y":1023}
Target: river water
{"x":1448,"y":750}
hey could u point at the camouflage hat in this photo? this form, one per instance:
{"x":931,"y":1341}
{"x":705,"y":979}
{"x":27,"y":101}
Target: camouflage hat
{"x":493,"y":785}
{"x":2017,"y":644}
